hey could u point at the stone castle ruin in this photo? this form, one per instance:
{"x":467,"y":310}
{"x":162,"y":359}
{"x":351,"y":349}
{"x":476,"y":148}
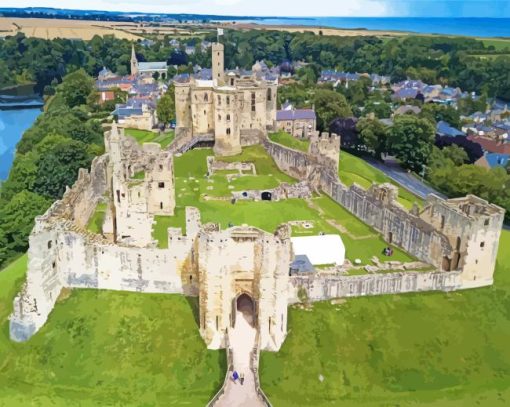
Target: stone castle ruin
{"x":235,"y":110}
{"x":240,"y":267}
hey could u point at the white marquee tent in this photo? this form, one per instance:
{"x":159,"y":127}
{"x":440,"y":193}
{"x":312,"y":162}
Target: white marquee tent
{"x":324,"y":249}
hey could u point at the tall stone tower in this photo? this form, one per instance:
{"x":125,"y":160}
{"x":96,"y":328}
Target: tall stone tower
{"x":134,"y":61}
{"x":218,"y":63}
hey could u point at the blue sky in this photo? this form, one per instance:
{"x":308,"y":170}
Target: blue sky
{"x":329,"y":8}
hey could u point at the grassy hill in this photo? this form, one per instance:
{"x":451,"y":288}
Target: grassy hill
{"x":438,"y":349}
{"x":107,"y":348}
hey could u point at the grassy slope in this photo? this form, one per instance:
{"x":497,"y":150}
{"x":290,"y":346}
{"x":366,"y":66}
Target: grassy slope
{"x":107,"y":348}
{"x":144,"y":136}
{"x":354,"y":170}
{"x":287,"y":140}
{"x":415,"y":349}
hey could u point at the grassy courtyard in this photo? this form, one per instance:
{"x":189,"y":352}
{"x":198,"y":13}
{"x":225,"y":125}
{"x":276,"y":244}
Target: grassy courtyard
{"x":211,"y":197}
{"x":103,"y":348}
{"x":432,"y":349}
{"x":145,"y":136}
{"x":96,"y":221}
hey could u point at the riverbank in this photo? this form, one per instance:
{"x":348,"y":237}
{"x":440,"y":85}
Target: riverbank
{"x":20,"y":97}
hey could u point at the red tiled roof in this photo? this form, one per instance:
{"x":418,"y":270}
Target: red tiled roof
{"x":491,"y":145}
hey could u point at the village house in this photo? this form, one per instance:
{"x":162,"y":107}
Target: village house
{"x":297,"y":122}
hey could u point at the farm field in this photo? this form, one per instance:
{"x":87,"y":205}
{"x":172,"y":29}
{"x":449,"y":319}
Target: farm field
{"x":428,"y":349}
{"x":58,"y":28}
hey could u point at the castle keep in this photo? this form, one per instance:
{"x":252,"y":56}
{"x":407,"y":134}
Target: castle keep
{"x":236,"y":110}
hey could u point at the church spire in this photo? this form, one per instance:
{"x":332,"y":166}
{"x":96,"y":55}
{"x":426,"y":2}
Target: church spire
{"x":134,"y":61}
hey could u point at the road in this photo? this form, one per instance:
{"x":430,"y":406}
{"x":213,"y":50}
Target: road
{"x":407,"y":180}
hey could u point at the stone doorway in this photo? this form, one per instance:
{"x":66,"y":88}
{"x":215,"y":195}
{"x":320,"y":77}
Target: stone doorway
{"x":246,"y":307}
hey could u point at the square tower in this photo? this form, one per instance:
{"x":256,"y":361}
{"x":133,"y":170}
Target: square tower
{"x":218,"y":63}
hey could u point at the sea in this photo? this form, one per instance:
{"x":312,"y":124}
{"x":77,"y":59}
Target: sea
{"x":467,"y":26}
{"x":13,"y":124}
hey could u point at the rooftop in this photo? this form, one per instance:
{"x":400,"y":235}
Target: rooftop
{"x":297,"y":114}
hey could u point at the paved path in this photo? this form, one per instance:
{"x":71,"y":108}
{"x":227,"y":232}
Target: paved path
{"x":242,"y":341}
{"x":402,"y":177}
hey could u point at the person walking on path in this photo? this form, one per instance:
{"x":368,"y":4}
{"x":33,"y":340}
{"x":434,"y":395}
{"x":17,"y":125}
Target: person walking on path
{"x":235,"y":376}
{"x":242,"y":379}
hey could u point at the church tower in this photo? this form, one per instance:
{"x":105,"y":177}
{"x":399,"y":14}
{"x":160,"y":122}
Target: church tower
{"x":134,"y":61}
{"x":218,"y":63}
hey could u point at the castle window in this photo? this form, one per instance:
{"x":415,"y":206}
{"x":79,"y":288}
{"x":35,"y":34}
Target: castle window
{"x":228,"y":117}
{"x":161,"y":205}
{"x":228,"y":131}
{"x":161,"y":184}
{"x":482,"y":245}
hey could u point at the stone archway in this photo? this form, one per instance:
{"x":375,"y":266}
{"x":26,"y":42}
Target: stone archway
{"x":245,"y":306}
{"x":266,"y":196}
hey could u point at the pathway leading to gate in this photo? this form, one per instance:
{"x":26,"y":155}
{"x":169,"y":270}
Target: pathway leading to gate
{"x":242,"y":341}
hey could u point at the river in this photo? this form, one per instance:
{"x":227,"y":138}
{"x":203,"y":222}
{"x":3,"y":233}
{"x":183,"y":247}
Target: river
{"x":13,"y":124}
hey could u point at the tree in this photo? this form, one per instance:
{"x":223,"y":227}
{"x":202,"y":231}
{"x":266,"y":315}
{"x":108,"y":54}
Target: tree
{"x":76,"y":87}
{"x":373,"y":134}
{"x":165,"y":109}
{"x":379,"y":108}
{"x":18,"y":220}
{"x":330,"y":105}
{"x":411,"y":139}
{"x":59,"y":166}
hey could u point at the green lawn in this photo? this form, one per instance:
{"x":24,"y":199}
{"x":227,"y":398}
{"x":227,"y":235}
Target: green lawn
{"x":288,"y":140}
{"x":145,"y":136}
{"x":265,"y":215}
{"x":355,"y":170}
{"x":96,"y":221}
{"x":105,"y":348}
{"x":432,"y":349}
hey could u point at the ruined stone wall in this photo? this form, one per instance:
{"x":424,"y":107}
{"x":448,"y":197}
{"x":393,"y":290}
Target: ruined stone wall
{"x":62,"y":255}
{"x":319,"y":288}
